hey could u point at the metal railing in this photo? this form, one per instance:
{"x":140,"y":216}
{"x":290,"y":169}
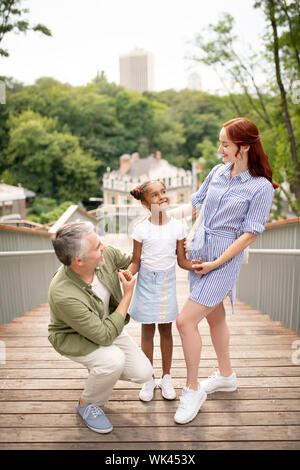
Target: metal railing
{"x":27,"y":264}
{"x":270,"y":282}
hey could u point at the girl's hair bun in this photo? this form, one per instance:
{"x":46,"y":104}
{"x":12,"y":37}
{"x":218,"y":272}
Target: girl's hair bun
{"x":136,"y":193}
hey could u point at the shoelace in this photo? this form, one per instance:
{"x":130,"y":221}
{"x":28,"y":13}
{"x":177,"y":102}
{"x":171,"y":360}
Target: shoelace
{"x":167,"y":383}
{"x":92,"y":409}
{"x":183,"y":398}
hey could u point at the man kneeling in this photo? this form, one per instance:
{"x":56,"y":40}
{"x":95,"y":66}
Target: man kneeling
{"x":87,"y":316}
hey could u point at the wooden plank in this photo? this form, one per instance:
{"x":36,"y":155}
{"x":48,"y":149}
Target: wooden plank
{"x":28,"y":384}
{"x":204,"y":372}
{"x":210,"y":364}
{"x":42,"y":341}
{"x":157,"y":419}
{"x":44,"y":320}
{"x":138,"y":446}
{"x":156,"y":406}
{"x":150,"y":434}
{"x":12,"y":330}
{"x":124,"y":394}
{"x":46,"y":350}
{"x":34,"y":354}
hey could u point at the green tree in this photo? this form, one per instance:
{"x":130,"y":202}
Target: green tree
{"x":261,"y":102}
{"x":283,"y":41}
{"x":47,"y":161}
{"x":13,"y":19}
{"x":208,"y":157}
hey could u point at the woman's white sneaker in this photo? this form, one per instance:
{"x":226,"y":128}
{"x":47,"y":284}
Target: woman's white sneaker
{"x":146,"y":393}
{"x":167,"y":389}
{"x":190,"y":404}
{"x":217,"y":383}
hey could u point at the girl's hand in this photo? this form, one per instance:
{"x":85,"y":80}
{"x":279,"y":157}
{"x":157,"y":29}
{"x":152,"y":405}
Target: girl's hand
{"x":203,"y":268}
{"x":127,"y":274}
{"x":197,"y":262}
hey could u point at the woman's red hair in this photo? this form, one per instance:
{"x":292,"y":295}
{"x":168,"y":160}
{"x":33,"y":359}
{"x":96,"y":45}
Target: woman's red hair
{"x":242,"y":131}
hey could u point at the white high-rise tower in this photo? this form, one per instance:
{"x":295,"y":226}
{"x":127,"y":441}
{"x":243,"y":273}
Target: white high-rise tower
{"x":137,"y":70}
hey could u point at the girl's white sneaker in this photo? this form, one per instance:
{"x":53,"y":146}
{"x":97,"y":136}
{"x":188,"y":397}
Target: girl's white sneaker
{"x":167,"y":389}
{"x":217,"y":383}
{"x":146,"y":393}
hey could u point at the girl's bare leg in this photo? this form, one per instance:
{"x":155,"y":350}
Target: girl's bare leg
{"x":219,"y":333}
{"x":147,"y":346}
{"x":187,"y":324}
{"x":166,"y":346}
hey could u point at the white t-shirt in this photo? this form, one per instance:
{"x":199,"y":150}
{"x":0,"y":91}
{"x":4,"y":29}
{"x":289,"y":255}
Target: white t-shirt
{"x":102,"y":292}
{"x":159,"y":243}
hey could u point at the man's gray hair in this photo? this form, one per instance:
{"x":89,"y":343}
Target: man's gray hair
{"x":70,"y":242}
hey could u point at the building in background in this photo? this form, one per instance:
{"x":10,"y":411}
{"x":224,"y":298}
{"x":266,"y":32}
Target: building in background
{"x":194,"y":82}
{"x":12,"y":202}
{"x":137,"y":70}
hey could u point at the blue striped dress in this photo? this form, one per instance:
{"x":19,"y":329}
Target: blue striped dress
{"x":233,"y":206}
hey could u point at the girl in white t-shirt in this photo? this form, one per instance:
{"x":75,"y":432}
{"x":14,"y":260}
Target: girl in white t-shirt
{"x":158,"y":241}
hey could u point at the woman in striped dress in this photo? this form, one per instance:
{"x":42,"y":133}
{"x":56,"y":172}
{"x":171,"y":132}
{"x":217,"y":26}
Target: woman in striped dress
{"x":237,"y":206}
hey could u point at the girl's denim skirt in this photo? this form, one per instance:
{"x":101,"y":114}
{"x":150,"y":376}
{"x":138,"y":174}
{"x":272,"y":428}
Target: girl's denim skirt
{"x":154,"y":299}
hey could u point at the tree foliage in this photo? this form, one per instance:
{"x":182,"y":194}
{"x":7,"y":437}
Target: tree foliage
{"x":49,"y":162}
{"x":58,"y":140}
{"x":13,"y":18}
{"x":258,"y":94}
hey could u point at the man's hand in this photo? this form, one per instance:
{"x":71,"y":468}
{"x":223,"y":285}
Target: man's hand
{"x":127,"y":280}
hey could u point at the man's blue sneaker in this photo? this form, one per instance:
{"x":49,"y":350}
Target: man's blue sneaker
{"x":94,"y":418}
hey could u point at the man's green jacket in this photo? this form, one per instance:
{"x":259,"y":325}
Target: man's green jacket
{"x":76,"y":327}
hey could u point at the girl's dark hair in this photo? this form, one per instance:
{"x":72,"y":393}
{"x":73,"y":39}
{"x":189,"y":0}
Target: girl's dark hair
{"x":139,"y":191}
{"x":241,"y":131}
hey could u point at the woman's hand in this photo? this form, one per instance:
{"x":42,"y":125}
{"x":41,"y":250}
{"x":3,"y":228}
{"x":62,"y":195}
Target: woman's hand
{"x":203,"y":268}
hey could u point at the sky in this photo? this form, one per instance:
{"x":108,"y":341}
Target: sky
{"x":89,"y":36}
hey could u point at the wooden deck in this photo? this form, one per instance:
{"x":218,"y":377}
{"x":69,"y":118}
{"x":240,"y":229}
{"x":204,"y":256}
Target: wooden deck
{"x":39,"y":390}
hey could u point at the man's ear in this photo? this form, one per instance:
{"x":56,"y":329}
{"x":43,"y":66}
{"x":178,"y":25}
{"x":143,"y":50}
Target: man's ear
{"x":77,"y":261}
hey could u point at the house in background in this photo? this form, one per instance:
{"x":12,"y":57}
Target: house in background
{"x":135,"y":171}
{"x":12,"y":202}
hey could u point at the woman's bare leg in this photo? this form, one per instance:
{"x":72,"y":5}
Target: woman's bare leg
{"x":219,"y":333}
{"x":187,"y":324}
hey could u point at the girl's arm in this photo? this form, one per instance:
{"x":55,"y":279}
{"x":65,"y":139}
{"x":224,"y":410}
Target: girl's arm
{"x":181,"y":258}
{"x":136,"y":258}
{"x":233,"y":250}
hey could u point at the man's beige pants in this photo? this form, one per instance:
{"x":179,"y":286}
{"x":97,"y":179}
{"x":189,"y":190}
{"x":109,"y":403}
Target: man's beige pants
{"x":123,"y":360}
